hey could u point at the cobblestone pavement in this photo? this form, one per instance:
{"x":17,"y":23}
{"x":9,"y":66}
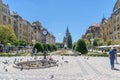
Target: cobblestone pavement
{"x":70,"y":68}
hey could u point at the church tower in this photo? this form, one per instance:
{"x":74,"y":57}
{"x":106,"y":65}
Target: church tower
{"x":67,"y":32}
{"x":65,"y":39}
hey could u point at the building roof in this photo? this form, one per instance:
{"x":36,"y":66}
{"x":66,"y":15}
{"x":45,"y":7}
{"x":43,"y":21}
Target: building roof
{"x":115,"y":5}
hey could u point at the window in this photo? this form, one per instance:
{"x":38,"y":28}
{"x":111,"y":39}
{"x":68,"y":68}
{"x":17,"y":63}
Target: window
{"x":9,"y":21}
{"x":114,"y":28}
{"x":117,"y":18}
{"x":114,"y":21}
{"x":4,"y":18}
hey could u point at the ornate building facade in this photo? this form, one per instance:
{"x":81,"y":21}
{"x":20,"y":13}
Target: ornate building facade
{"x":110,"y":28}
{"x":23,"y":29}
{"x":116,"y":21}
{"x":94,"y":29}
{"x":5,"y":17}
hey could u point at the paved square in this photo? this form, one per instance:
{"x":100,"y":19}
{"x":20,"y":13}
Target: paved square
{"x":70,"y":68}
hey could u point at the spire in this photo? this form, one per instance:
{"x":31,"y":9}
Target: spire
{"x":67,"y":30}
{"x":103,"y":19}
{"x":103,"y":15}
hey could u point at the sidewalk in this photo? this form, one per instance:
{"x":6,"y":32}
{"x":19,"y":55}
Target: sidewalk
{"x":70,"y":68}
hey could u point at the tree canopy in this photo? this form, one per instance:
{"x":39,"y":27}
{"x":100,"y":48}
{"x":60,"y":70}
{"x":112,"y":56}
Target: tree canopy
{"x":89,"y":36}
{"x":98,"y":42}
{"x":39,"y":47}
{"x":7,"y":35}
{"x":81,"y":46}
{"x":69,"y":42}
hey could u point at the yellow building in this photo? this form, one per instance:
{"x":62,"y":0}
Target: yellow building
{"x":105,"y":29}
{"x":50,"y":39}
{"x":94,"y":29}
{"x":5,"y":17}
{"x":109,"y":29}
{"x":22,"y":28}
{"x":115,"y":22}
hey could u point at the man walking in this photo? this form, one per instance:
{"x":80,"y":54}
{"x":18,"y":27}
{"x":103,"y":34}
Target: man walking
{"x":112,"y":56}
{"x":116,"y":56}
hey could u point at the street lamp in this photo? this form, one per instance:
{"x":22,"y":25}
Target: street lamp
{"x":33,"y":41}
{"x":45,"y":32}
{"x":8,"y":47}
{"x":92,"y":40}
{"x":33,"y":51}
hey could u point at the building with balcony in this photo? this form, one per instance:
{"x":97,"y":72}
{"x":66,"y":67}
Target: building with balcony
{"x":5,"y":17}
{"x":109,"y":29}
{"x":94,"y":29}
{"x":104,"y":29}
{"x":22,"y":28}
{"x":38,"y":34}
{"x":116,"y":22}
{"x":50,"y":38}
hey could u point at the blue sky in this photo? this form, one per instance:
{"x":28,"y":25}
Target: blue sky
{"x":56,"y":15}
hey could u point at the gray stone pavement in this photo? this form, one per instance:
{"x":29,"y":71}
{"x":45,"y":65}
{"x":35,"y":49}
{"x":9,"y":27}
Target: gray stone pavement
{"x":70,"y":68}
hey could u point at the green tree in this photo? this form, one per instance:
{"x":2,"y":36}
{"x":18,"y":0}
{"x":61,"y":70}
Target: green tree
{"x":116,"y":42}
{"x":45,"y":47}
{"x":49,"y":47}
{"x":16,"y":43}
{"x":95,"y":43}
{"x":81,"y":46}
{"x":87,"y":42}
{"x":109,"y":42}
{"x":89,"y":36}
{"x":98,"y":42}
{"x":69,"y":42}
{"x":54,"y":47}
{"x":7,"y":35}
{"x":39,"y":47}
{"x":74,"y":45}
{"x":59,"y":45}
{"x":22,"y":42}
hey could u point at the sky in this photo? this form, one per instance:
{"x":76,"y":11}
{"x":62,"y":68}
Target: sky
{"x":56,"y":15}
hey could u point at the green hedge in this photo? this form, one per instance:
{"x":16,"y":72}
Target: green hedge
{"x":98,"y":55}
{"x":10,"y":54}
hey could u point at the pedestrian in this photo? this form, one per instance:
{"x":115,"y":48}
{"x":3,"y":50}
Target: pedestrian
{"x":6,"y":70}
{"x":102,"y":49}
{"x":52,"y":76}
{"x":21,"y":68}
{"x":112,"y":56}
{"x":35,"y":52}
{"x":116,"y":56}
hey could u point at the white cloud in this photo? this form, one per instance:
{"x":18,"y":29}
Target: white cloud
{"x":60,"y":34}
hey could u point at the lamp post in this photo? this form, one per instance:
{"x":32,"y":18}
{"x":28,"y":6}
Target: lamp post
{"x":92,"y":40}
{"x":8,"y":47}
{"x":45,"y":32}
{"x":33,"y":41}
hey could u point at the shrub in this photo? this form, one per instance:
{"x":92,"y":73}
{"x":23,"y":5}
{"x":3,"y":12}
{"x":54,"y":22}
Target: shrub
{"x":45,"y":47}
{"x":49,"y":47}
{"x":39,"y":47}
{"x":81,"y":46}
